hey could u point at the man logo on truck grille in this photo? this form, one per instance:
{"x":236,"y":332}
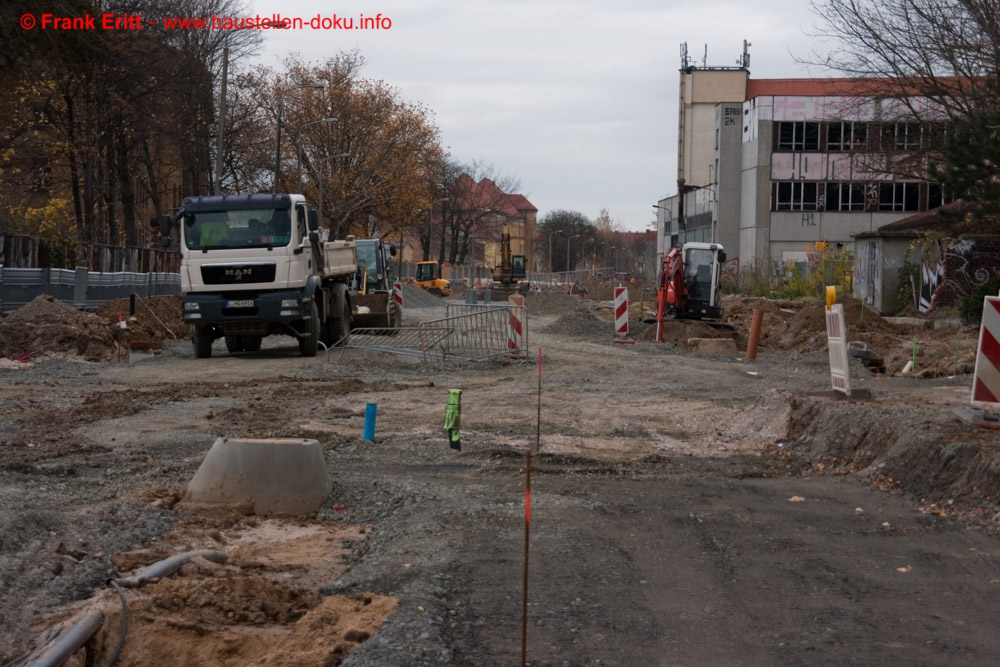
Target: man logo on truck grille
{"x":237,"y":274}
{"x":229,"y":274}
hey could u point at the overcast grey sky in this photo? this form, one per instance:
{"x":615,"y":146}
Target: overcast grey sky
{"x":577,"y":99}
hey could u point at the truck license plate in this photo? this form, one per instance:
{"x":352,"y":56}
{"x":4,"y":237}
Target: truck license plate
{"x":242,"y":303}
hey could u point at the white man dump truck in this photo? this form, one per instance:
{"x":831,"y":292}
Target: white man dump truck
{"x":254,"y":266}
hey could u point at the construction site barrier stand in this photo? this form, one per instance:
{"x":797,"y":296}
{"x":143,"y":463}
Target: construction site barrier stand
{"x":836,"y":340}
{"x":397,"y":294}
{"x":986,"y":379}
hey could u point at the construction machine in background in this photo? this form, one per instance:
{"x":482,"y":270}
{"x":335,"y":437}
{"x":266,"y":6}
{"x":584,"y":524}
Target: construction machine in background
{"x":688,"y":284}
{"x":512,"y":272}
{"x":429,"y":277}
{"x":371,"y":287}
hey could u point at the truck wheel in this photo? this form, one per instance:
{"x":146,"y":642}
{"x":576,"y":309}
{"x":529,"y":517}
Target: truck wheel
{"x":202,"y":339}
{"x":309,"y":345}
{"x":234,"y":344}
{"x":339,"y":328}
{"x":251,"y":344}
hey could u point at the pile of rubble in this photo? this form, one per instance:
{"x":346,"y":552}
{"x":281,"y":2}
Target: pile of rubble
{"x":49,"y":327}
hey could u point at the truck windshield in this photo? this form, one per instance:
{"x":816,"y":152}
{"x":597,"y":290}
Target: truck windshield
{"x":251,"y":228}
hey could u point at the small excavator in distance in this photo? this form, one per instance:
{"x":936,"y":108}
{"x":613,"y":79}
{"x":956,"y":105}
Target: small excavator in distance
{"x":512,"y":272}
{"x":688,"y":284}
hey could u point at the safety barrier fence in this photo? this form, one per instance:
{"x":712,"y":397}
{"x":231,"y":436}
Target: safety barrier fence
{"x":472,"y":277}
{"x":81,"y":288}
{"x":467,"y":333}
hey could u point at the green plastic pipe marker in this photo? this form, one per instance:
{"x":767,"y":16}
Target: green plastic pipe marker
{"x":453,"y":418}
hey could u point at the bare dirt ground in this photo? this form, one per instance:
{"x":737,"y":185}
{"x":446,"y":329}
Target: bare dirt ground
{"x":686,"y":509}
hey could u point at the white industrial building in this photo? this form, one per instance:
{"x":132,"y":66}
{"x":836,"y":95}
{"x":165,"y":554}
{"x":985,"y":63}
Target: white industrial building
{"x":767,"y":167}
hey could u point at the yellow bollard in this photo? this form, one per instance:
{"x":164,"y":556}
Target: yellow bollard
{"x":831,"y":296}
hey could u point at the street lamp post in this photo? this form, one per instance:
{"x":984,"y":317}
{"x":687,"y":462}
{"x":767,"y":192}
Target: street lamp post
{"x":277,"y":141}
{"x":568,"y":242}
{"x":668,"y":218}
{"x":298,"y":146}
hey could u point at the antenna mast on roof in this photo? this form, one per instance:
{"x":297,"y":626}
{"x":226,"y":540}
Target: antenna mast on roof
{"x":704,"y":60}
{"x":744,"y":61}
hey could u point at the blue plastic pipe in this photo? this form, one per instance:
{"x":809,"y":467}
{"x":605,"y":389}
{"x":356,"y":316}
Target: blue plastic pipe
{"x":370,"y":411}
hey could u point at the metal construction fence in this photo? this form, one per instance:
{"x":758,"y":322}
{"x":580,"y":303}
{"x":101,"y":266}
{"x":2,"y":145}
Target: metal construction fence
{"x":81,"y":288}
{"x":469,"y":332}
{"x":473,"y":277}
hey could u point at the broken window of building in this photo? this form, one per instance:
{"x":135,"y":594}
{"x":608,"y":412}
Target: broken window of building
{"x":899,"y":197}
{"x":796,"y":196}
{"x":845,"y":197}
{"x":847,"y":136}
{"x":798,"y":136}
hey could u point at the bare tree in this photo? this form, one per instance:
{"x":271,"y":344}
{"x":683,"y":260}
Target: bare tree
{"x":375,"y":161}
{"x":476,"y":205}
{"x":937,"y":61}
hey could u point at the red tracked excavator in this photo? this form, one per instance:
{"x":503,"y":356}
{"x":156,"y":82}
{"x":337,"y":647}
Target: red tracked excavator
{"x":688,"y":284}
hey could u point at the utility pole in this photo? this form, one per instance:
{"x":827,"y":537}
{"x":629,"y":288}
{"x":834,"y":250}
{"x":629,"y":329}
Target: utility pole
{"x":220,"y":147}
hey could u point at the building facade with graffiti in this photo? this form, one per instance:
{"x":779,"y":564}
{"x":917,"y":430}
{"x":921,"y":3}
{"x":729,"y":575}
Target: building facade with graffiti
{"x":917,"y":260}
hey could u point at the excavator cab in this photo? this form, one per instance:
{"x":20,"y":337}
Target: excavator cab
{"x":689,"y":284}
{"x":702,"y":271}
{"x":518,"y":267}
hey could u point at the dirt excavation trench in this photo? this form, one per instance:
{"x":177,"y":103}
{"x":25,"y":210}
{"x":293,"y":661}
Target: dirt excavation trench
{"x":687,"y":509}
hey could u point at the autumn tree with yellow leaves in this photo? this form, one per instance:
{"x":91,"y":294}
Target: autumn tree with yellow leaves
{"x":376,"y":162}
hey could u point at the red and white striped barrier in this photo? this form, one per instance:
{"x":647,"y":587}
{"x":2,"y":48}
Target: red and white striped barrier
{"x":515,"y":332}
{"x":621,"y":311}
{"x":986,"y":380}
{"x":621,"y":315}
{"x":397,"y":295}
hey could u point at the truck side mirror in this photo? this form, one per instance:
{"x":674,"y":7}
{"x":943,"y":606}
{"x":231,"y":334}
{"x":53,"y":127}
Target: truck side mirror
{"x":722,"y":257}
{"x":165,"y":225}
{"x":392,"y":251}
{"x":313,"y":221}
{"x":314,"y":237}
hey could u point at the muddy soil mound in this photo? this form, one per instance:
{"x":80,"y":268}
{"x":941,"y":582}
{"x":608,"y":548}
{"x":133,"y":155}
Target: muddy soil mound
{"x":155,"y":321}
{"x":797,"y":327}
{"x":554,"y":303}
{"x":580,"y":323}
{"x":47,"y":326}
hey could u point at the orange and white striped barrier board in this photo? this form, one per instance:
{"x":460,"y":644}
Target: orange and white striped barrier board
{"x":397,"y":295}
{"x":986,"y":380}
{"x":621,"y":315}
{"x":515,"y":330}
{"x":621,"y":311}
